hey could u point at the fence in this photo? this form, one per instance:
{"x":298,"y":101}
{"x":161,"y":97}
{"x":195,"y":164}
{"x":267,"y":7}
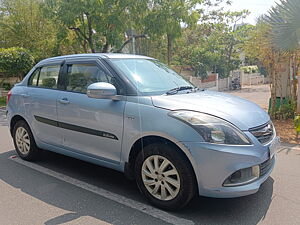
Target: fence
{"x":10,"y":80}
{"x":213,"y":83}
{"x":249,"y":78}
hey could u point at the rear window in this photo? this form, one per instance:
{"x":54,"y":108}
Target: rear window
{"x":33,"y":80}
{"x":45,"y":77}
{"x":48,"y":77}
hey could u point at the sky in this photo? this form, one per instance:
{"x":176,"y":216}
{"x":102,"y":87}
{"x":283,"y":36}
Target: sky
{"x":256,"y":7}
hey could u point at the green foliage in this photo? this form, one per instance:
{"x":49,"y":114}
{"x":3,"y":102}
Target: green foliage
{"x":23,"y":24}
{"x":213,"y":47}
{"x":2,"y":101}
{"x":297,"y":123}
{"x":287,"y":110}
{"x":250,"y":69}
{"x":165,"y":18}
{"x":283,"y":109}
{"x":195,"y":33}
{"x":6,"y":86}
{"x":15,"y":61}
{"x":285,"y":23}
{"x":97,"y":24}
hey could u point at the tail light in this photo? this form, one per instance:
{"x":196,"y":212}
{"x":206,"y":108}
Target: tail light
{"x":8,"y":97}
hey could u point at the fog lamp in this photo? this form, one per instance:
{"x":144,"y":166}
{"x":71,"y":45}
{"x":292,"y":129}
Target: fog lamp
{"x":242,"y":177}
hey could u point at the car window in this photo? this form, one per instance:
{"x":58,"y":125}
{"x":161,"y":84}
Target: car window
{"x":80,"y":76}
{"x":33,"y":80}
{"x":48,"y":77}
{"x":150,"y":76}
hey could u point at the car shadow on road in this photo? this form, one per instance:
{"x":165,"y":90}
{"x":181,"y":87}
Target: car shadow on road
{"x":248,"y":210}
{"x":245,"y":210}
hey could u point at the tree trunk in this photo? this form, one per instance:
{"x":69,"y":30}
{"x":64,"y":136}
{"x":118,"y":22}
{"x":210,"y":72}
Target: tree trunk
{"x":297,"y":78}
{"x":90,"y":33}
{"x":298,"y":97}
{"x":105,"y":48}
{"x":84,"y":45}
{"x":273,"y":94}
{"x":273,"y":82}
{"x":128,"y":41}
{"x":169,"y":47}
{"x":90,"y":41}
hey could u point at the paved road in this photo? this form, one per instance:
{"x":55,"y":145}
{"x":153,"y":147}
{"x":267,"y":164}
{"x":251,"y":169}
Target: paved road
{"x":61,"y":190}
{"x":260,"y":94}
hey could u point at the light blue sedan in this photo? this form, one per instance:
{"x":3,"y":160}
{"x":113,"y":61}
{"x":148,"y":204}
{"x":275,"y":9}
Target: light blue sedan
{"x":133,"y":114}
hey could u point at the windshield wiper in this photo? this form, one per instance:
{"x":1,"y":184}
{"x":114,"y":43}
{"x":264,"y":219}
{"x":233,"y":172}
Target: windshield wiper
{"x":175,"y":90}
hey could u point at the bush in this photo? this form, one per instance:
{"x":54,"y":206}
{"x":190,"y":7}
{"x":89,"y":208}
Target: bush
{"x":15,"y":61}
{"x":297,"y":123}
{"x":284,"y":109}
{"x":250,"y":69}
{"x":6,"y":86}
{"x":2,"y":101}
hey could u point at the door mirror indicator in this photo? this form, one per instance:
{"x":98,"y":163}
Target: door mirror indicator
{"x":102,"y":90}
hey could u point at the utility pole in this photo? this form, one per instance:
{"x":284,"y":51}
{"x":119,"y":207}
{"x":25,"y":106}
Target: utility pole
{"x":131,"y":34}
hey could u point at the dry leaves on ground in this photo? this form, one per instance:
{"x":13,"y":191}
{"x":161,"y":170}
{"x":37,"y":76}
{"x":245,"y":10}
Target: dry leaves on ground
{"x":286,"y":131}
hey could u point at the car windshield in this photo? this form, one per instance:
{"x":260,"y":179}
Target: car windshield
{"x":150,"y":76}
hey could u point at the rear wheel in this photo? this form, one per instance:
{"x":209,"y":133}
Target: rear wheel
{"x":24,"y":141}
{"x":164,"y":176}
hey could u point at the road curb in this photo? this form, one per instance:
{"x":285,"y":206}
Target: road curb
{"x":291,"y":146}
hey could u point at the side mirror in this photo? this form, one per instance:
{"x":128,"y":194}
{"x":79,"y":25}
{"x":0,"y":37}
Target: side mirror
{"x":102,"y":90}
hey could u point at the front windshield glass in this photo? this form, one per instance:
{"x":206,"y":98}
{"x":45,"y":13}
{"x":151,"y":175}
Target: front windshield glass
{"x":150,"y":76}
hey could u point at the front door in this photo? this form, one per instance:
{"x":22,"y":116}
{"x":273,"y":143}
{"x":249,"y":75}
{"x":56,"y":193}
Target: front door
{"x":90,"y":126}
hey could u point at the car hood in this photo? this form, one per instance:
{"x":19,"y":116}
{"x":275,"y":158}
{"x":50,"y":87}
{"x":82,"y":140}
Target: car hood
{"x":240,"y":112}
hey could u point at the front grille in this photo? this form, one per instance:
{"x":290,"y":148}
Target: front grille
{"x":263,"y":133}
{"x":266,"y":166}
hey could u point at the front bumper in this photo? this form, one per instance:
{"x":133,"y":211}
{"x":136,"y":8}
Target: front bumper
{"x":215,"y":163}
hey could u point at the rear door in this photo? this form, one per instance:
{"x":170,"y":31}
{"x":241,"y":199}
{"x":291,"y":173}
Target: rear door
{"x":90,"y":126}
{"x":40,"y":102}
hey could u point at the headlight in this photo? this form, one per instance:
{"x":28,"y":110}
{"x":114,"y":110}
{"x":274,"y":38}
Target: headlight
{"x":212,"y":129}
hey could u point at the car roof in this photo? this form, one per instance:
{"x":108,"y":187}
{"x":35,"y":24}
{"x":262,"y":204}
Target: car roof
{"x":95,"y":55}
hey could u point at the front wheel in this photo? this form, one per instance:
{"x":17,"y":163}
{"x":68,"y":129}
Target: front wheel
{"x":24,"y":141}
{"x":164,"y":176}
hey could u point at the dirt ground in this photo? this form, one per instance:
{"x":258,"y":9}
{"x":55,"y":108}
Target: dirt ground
{"x":260,"y":94}
{"x":286,"y":131}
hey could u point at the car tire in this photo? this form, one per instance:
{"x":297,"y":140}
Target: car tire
{"x":24,"y":141}
{"x":170,"y":184}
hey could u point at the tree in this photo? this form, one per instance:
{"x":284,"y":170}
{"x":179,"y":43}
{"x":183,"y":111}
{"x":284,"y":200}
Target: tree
{"x":260,"y":46}
{"x":213,"y":45}
{"x":166,"y":18}
{"x":284,"y":21}
{"x":98,"y":24}
{"x":23,"y":24}
{"x":15,"y":62}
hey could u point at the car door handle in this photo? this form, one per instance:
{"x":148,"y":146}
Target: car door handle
{"x":64,"y":101}
{"x":25,"y":95}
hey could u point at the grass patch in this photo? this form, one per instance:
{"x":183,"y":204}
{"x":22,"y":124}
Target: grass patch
{"x":2,"y":101}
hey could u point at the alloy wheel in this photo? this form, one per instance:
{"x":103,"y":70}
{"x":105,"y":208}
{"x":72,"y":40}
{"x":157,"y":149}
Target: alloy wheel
{"x":23,"y":140}
{"x":160,"y":177}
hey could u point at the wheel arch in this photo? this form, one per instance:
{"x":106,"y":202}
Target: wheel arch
{"x":14,"y":120}
{"x":150,"y":139}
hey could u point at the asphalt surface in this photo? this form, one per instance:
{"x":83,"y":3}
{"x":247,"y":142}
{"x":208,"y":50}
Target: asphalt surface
{"x":62,"y":190}
{"x":260,"y":94}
